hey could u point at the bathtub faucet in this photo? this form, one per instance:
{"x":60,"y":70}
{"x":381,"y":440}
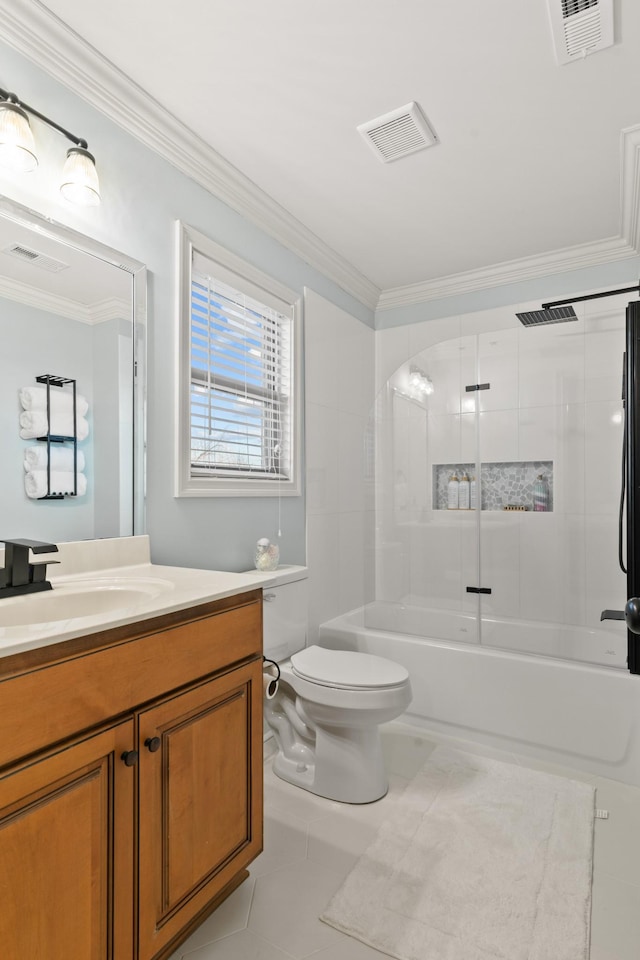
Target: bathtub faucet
{"x":19,"y":575}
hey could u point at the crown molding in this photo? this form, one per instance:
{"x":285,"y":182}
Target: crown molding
{"x":630,"y":186}
{"x":98,"y":312}
{"x":42,"y":37}
{"x":511,"y":271}
{"x":111,"y":308}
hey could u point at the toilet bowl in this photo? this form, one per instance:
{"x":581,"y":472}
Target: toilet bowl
{"x":326,"y":713}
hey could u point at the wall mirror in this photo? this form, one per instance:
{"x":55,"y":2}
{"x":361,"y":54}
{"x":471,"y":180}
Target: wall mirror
{"x":71,"y":308}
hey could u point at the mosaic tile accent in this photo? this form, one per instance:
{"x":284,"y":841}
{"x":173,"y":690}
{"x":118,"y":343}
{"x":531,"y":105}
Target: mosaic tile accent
{"x":501,"y":484}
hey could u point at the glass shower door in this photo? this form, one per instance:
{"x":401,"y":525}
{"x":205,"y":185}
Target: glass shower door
{"x":535,"y":415}
{"x":501,"y":496}
{"x":426,"y":549}
{"x":550,"y":434}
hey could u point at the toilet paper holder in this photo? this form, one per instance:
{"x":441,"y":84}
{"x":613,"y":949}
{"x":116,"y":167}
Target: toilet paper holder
{"x":270,"y":677}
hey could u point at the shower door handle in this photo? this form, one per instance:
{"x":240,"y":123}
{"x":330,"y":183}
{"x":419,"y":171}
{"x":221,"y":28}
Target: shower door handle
{"x":612,"y":615}
{"x":631,"y":614}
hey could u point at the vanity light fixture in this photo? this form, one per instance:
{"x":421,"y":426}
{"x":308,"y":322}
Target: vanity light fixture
{"x":17,"y":146}
{"x":17,"y":151}
{"x":80,"y":177}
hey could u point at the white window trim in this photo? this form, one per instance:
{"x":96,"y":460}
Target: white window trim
{"x":188,"y":241}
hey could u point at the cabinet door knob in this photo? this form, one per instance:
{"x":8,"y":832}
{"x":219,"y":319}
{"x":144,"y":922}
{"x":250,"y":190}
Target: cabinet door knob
{"x":152,"y":743}
{"x":130,"y":758}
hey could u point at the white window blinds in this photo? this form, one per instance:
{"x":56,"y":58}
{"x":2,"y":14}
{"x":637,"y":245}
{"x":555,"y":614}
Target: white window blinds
{"x":241,"y":383}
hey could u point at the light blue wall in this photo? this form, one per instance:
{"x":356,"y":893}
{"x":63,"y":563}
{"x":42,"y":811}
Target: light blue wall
{"x":142,"y":196}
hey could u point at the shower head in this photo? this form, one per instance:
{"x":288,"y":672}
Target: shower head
{"x":535,"y":318}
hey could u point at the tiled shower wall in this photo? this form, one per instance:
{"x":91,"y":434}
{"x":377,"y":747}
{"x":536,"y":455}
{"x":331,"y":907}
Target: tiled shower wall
{"x":555,"y":396}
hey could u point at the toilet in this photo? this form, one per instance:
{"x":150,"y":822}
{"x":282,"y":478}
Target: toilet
{"x":326,"y":712}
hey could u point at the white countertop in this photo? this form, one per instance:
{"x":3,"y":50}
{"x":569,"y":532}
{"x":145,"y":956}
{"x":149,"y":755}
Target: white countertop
{"x":155,"y":590}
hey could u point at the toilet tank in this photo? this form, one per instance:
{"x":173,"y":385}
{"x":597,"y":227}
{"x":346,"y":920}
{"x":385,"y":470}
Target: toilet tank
{"x":284,"y":608}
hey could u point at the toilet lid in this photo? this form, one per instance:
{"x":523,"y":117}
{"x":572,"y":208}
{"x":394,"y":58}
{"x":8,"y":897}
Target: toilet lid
{"x":347,"y":669}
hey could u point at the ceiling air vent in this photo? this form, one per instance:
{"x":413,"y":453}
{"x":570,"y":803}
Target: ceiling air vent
{"x":27,"y":255}
{"x":399,"y":133}
{"x":580,"y":27}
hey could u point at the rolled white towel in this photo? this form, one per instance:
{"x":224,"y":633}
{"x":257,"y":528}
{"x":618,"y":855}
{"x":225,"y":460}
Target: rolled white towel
{"x":35,"y":483}
{"x":34,"y":424}
{"x":35,"y":458}
{"x":35,"y":398}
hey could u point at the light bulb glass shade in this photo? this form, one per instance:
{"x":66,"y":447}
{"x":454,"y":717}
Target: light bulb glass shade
{"x":80,"y":178}
{"x":17,"y":146}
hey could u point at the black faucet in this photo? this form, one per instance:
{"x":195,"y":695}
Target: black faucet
{"x":19,"y":575}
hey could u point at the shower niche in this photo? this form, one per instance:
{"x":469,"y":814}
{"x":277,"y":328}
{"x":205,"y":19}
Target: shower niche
{"x":509,"y":486}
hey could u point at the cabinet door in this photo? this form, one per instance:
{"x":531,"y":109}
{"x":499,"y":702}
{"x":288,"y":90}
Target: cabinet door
{"x":66,"y":853}
{"x":200,"y":820}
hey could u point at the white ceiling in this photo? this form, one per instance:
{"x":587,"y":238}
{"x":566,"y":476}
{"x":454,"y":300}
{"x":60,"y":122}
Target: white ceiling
{"x":529,"y":158}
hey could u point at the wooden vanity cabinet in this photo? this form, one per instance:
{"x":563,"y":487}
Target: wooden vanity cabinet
{"x":200,"y":800}
{"x":67,"y":852}
{"x":130,"y":783}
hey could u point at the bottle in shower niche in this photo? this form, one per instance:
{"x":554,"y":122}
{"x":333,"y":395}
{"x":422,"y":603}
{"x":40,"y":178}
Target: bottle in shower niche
{"x":453,"y":492}
{"x":473,"y":496}
{"x":463,"y":492}
{"x":541,"y":494}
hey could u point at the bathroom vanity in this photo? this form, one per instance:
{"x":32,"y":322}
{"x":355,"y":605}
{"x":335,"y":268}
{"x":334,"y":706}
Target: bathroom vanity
{"x":130,"y":773}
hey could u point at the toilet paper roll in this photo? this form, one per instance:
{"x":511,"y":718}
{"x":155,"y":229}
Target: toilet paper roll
{"x":269,"y":681}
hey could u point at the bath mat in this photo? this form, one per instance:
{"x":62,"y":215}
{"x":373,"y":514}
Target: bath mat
{"x":478,"y":860}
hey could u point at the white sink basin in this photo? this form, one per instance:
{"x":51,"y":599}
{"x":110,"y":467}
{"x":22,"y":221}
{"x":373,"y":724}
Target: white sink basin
{"x":81,"y":598}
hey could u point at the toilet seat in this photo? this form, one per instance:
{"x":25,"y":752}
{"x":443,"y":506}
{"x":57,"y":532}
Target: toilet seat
{"x":347,"y":670}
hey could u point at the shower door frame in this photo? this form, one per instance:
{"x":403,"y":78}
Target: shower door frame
{"x":632,"y":376}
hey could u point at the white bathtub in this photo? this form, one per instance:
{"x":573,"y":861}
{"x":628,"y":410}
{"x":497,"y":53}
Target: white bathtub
{"x":575,"y":714}
{"x":604,"y":646}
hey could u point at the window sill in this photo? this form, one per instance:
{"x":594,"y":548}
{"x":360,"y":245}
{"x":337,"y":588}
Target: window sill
{"x":237,"y":488}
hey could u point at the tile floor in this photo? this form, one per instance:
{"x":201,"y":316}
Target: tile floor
{"x":311,"y":844}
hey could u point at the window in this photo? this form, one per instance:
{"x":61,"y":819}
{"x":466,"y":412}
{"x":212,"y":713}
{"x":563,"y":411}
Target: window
{"x":239,"y":384}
